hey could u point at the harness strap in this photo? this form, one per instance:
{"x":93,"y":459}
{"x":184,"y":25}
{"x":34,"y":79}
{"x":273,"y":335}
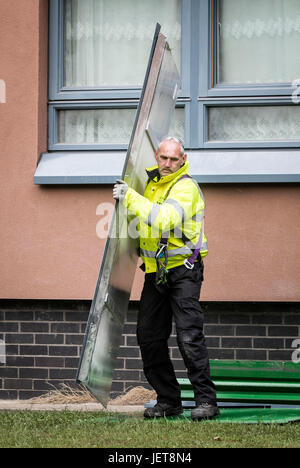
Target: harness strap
{"x":189,"y":262}
{"x":165,"y":236}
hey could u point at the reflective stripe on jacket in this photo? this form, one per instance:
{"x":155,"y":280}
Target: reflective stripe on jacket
{"x":170,"y":208}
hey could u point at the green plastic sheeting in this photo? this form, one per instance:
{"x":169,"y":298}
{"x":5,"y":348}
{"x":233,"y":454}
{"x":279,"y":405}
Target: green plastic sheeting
{"x":272,"y":382}
{"x":257,"y":383}
{"x":227,"y":415}
{"x":253,"y":382}
{"x":251,"y":415}
{"x":259,"y":370}
{"x":248,"y":397}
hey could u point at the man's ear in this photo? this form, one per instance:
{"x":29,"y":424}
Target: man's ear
{"x":184,"y":156}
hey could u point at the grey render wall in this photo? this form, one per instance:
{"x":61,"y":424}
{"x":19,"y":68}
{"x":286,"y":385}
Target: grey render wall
{"x":43,"y":341}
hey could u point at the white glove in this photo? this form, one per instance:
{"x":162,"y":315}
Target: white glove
{"x":120,"y":189}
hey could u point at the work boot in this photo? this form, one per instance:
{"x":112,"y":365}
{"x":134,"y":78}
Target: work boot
{"x":204,"y":411}
{"x":162,"y":409}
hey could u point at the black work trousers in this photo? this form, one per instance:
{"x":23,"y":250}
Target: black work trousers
{"x":179,"y":299}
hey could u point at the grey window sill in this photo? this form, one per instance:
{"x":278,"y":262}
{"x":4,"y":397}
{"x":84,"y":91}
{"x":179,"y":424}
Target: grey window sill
{"x":95,"y":167}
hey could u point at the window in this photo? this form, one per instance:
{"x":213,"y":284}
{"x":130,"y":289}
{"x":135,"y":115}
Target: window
{"x":239,"y":66}
{"x":100,"y":51}
{"x":246,"y":100}
{"x":268,"y":123}
{"x":107,"y":42}
{"x":256,"y":42}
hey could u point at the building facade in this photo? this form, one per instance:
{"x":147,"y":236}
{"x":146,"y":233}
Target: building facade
{"x":70,"y":79}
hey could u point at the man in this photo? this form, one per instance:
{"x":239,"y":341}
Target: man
{"x":172,"y":244}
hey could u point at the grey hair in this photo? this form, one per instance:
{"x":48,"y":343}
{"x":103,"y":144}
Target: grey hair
{"x":177,"y":140}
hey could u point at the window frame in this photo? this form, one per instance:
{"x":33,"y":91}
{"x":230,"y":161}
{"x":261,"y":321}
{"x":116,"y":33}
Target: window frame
{"x":64,"y":98}
{"x":210,"y":93}
{"x":55,"y":108}
{"x":243,"y":102}
{"x":57,"y":90}
{"x":270,"y":161}
{"x":53,"y":141}
{"x":212,"y":88}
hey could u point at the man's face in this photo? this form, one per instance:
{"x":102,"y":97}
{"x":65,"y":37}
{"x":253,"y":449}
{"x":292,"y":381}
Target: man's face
{"x":168,"y":157}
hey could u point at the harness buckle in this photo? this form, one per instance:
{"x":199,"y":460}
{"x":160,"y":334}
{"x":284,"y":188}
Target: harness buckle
{"x":161,"y":257}
{"x":161,"y":250}
{"x":188,"y":265}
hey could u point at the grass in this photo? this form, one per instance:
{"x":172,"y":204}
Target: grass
{"x":72,"y":429}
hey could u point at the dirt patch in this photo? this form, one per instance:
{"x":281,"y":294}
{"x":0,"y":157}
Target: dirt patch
{"x":68,"y":395}
{"x":135,"y":396}
{"x":65,"y":394}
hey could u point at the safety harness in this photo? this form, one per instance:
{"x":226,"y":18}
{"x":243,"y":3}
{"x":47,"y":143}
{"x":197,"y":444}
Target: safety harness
{"x":161,"y":254}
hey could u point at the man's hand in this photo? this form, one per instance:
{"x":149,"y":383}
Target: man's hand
{"x":120,"y":189}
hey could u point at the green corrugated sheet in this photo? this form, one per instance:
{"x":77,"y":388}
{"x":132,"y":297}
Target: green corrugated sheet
{"x":227,"y":415}
{"x":249,"y":415}
{"x":252,"y":381}
{"x":250,"y":397}
{"x":261,"y":382}
{"x":262,"y":370}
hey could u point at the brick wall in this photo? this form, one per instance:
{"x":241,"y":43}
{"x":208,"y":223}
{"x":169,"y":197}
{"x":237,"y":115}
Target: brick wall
{"x":43,"y":341}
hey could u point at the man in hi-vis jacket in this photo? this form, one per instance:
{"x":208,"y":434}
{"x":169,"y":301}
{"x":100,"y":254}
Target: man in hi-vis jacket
{"x":172,"y":245}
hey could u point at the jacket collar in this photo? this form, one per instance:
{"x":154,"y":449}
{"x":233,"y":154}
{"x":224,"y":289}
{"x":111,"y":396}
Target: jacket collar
{"x":154,"y":175}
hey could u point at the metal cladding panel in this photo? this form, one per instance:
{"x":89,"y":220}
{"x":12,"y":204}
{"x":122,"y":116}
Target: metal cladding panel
{"x":110,"y":303}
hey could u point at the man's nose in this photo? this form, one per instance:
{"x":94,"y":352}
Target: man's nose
{"x":168,"y":162}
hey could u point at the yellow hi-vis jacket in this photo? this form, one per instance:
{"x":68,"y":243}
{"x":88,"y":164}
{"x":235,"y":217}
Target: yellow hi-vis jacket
{"x":170,"y":208}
